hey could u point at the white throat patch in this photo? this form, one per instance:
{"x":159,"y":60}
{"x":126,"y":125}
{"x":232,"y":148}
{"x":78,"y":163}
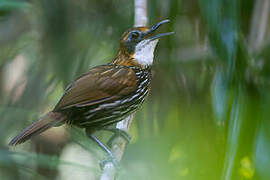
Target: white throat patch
{"x":144,"y":52}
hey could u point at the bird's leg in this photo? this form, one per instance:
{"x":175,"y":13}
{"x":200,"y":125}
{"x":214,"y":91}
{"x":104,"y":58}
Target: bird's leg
{"x":106,"y":150}
{"x":117,"y":132}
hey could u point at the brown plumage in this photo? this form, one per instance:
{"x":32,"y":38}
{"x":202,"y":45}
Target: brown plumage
{"x":105,"y":94}
{"x":47,"y":121}
{"x":99,"y":84}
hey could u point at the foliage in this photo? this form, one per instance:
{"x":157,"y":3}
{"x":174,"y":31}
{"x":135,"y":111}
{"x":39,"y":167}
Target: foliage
{"x":207,"y":114}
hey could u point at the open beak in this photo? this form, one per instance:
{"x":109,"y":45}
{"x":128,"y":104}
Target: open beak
{"x":154,"y":28}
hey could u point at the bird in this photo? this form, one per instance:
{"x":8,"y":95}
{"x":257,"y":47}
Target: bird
{"x":105,"y":94}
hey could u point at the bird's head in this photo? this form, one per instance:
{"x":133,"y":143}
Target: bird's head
{"x":138,"y":44}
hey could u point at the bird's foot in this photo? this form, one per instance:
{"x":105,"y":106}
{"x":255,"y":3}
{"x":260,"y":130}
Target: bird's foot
{"x":117,"y":132}
{"x":110,"y":156}
{"x":111,"y":159}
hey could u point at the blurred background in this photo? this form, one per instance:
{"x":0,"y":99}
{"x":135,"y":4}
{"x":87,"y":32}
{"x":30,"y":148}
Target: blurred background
{"x":207,"y":116}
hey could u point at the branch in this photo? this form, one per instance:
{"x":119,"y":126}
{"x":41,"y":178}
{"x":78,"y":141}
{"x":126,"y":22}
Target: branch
{"x":119,"y":143}
{"x":140,"y":17}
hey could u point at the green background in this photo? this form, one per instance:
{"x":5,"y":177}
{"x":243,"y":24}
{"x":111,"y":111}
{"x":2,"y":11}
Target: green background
{"x":207,"y":116}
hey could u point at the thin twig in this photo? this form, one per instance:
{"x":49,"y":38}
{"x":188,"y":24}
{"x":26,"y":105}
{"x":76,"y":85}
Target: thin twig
{"x":119,"y":143}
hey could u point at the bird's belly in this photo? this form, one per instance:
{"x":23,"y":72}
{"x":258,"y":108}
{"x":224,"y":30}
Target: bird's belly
{"x":107,"y":113}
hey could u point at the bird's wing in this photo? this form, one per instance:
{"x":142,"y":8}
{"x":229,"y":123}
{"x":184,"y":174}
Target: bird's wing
{"x":99,"y":84}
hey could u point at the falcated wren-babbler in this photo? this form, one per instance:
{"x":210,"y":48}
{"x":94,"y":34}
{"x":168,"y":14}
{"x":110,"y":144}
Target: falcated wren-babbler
{"x":107,"y":93}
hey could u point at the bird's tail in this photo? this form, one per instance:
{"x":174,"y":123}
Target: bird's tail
{"x":47,"y":121}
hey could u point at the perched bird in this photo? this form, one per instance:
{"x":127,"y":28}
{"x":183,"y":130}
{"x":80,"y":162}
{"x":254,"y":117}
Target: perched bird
{"x":107,"y":93}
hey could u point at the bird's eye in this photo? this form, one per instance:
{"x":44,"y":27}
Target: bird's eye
{"x":134,"y":35}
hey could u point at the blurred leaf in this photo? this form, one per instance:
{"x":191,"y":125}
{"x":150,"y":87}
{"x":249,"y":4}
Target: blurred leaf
{"x":262,"y":156}
{"x":222,"y":20}
{"x":220,"y":97}
{"x":229,"y":81}
{"x":261,"y":153}
{"x":28,"y":159}
{"x":235,"y":124}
